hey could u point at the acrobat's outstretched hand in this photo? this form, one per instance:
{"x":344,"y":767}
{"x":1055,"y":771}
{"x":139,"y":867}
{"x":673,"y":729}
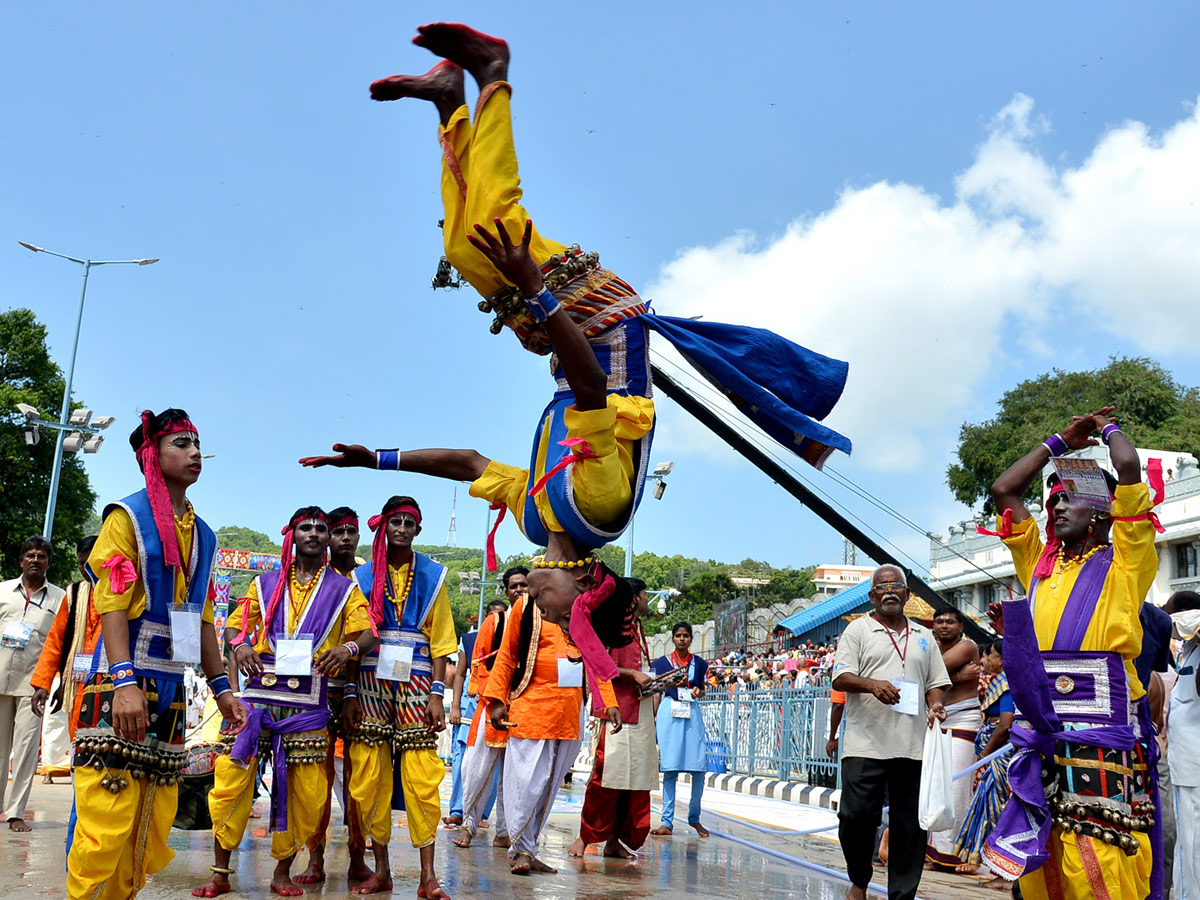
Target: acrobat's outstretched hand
{"x":513,"y":261}
{"x":346,"y":456}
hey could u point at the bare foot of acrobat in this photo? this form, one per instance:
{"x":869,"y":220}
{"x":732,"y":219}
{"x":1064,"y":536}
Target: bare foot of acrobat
{"x":484,"y":56}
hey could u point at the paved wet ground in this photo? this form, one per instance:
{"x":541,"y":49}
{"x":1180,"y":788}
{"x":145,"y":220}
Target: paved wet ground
{"x":680,"y":866}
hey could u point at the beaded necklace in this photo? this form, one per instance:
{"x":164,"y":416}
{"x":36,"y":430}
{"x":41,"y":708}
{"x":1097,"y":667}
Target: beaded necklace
{"x":185,"y":523}
{"x":299,"y":593}
{"x":1063,"y":562}
{"x":391,"y":588}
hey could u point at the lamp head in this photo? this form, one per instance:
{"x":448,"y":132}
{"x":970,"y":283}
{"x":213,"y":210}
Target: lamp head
{"x":73,"y":441}
{"x":103,"y":422}
{"x":29,"y":246}
{"x":147,"y":262}
{"x":664,"y":468}
{"x":29,"y":412}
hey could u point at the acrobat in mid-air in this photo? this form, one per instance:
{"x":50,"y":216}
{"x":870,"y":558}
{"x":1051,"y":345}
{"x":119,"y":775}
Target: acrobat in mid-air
{"x":557,"y":298}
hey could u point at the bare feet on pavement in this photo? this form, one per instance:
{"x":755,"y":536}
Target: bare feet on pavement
{"x":577,"y":849}
{"x":18,"y":825}
{"x":502,"y":840}
{"x":214,"y":887}
{"x":376,"y":884}
{"x":700,"y":829}
{"x":614,"y":849}
{"x":661,"y":831}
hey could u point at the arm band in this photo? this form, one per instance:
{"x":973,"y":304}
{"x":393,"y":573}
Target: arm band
{"x":220,"y":685}
{"x":353,"y":648}
{"x":1109,"y":430}
{"x":122,"y":674}
{"x":350,"y":690}
{"x":388,"y":460}
{"x":438,"y":689}
{"x":543,"y":306}
{"x":1056,"y":445}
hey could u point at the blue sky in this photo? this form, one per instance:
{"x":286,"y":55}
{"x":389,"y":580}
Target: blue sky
{"x":924,"y":191}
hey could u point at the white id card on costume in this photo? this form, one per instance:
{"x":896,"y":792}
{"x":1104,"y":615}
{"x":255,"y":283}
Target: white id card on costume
{"x":293,"y":656}
{"x":185,"y":636}
{"x":570,"y":673}
{"x":685,"y":696}
{"x":16,"y":635}
{"x":680,"y":710}
{"x":909,"y":696}
{"x":395,"y":662}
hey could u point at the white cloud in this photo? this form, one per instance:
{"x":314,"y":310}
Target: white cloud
{"x":891,"y":267}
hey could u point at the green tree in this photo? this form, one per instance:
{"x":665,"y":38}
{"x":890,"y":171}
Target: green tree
{"x":29,"y":375}
{"x":1154,"y":411}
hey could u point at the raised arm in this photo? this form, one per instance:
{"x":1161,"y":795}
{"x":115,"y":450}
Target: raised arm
{"x":1012,"y":485}
{"x":456,"y":465}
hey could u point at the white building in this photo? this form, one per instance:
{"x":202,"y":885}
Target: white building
{"x":972,"y":570}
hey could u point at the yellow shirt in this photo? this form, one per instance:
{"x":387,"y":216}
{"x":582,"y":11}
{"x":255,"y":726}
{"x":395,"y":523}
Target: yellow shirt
{"x":1115,"y":627}
{"x":118,"y":538}
{"x":438,"y":626}
{"x":353,"y":618}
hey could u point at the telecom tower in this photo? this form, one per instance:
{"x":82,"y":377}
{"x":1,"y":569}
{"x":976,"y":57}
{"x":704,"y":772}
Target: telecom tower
{"x":849,"y":551}
{"x":452,"y":534}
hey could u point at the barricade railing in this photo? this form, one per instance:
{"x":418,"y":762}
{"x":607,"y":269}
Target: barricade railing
{"x":776,"y":733}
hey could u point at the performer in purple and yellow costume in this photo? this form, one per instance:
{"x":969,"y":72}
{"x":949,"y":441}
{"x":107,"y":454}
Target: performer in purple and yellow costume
{"x":316,"y":625}
{"x":1081,"y":821}
{"x":151,"y":568}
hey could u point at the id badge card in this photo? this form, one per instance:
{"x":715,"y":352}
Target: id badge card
{"x":395,"y":662}
{"x":16,"y":635}
{"x":81,"y":666}
{"x":570,"y":673}
{"x":293,"y":656}
{"x":909,"y":703}
{"x":185,"y":636}
{"x":680,"y":709}
{"x":685,"y":696}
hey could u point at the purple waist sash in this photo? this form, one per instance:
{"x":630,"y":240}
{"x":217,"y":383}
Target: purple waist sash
{"x":245,"y":748}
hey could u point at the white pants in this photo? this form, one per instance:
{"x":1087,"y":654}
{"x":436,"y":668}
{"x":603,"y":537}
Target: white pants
{"x":20,"y":735}
{"x":1187,"y":843}
{"x":533,"y":771}
{"x":479,"y":766}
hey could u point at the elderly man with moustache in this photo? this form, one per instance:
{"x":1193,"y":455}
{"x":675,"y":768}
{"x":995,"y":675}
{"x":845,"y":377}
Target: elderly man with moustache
{"x":893,"y":676}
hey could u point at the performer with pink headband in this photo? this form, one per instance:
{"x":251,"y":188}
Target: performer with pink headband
{"x":151,"y":566}
{"x":1083,"y":818}
{"x":343,"y":547}
{"x":313,"y":626}
{"x":394,"y":708}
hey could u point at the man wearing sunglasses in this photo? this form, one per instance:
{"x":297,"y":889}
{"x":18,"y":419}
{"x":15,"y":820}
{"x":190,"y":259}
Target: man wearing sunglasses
{"x":893,"y":676}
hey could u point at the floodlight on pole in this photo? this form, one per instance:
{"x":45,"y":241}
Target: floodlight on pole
{"x":72,"y":442}
{"x":65,"y":415}
{"x":92,"y":444}
{"x":32,"y":435}
{"x":658,"y":476}
{"x":29,"y":412}
{"x":80,"y":417}
{"x":103,"y":422}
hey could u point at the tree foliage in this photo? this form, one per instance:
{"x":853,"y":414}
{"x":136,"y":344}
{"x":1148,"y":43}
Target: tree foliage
{"x":1154,"y":411}
{"x":29,"y":375}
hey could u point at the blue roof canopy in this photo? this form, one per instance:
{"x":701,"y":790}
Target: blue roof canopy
{"x":827,"y":610}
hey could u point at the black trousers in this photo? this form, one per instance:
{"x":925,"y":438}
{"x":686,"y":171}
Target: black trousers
{"x":859,"y":813}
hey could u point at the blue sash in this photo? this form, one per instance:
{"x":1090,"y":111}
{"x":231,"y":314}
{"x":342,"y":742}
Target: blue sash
{"x":428,"y":578}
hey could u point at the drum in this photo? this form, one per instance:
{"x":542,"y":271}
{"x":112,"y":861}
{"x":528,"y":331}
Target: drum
{"x":195,"y":782}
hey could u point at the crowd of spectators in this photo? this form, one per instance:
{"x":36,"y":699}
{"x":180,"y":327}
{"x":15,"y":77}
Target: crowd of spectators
{"x":807,"y":665}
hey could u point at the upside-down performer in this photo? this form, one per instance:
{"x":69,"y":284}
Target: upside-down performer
{"x":314,"y":617}
{"x":151,"y":569}
{"x":395,"y":708}
{"x":1081,"y":820}
{"x":558,"y":299}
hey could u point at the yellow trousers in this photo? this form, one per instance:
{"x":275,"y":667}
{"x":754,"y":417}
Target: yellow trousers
{"x":233,"y":794}
{"x":1083,"y":868}
{"x":480,"y":182}
{"x":119,"y":838}
{"x":371,"y":785}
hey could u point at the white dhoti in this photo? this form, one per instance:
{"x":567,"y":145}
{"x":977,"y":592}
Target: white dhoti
{"x":963,"y":721}
{"x":533,"y":772}
{"x":1186,"y":881}
{"x":477,"y":770}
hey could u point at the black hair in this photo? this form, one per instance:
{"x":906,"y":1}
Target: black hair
{"x":636,"y":585}
{"x":613,"y":618}
{"x":998,"y":646}
{"x":1181,"y":600}
{"x":308,"y":512}
{"x":683,"y":625}
{"x":158,"y":422}
{"x":495,"y":603}
{"x":951,"y":611}
{"x":393,"y":502}
{"x":341,"y":512}
{"x":1109,"y":478}
{"x":511,"y":571}
{"x":37,"y":542}
{"x":85,"y":546}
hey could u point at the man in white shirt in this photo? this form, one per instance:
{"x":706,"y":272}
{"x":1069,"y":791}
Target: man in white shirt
{"x":893,"y":676}
{"x":28,"y":605}
{"x":1183,"y":740}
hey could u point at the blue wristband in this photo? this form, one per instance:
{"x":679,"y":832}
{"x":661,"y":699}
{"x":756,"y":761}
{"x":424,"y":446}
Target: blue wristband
{"x":388,"y":460}
{"x":438,"y":688}
{"x":543,"y":306}
{"x":122,"y":674}
{"x":220,"y":685}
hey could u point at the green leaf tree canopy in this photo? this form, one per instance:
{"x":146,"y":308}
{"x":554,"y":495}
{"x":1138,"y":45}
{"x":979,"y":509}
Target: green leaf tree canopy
{"x":1154,"y":411}
{"x":29,"y":375}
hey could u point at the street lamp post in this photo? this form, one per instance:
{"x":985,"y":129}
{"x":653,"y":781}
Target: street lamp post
{"x":659,"y":477}
{"x":65,"y":415}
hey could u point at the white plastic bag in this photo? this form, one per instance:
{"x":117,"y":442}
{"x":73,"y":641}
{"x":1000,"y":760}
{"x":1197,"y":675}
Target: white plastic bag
{"x":935,"y":803}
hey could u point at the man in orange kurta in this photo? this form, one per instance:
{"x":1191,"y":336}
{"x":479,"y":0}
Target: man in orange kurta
{"x":535,"y":692}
